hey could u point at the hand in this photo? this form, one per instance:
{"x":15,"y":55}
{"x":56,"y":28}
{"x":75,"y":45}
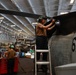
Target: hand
{"x":50,"y":28}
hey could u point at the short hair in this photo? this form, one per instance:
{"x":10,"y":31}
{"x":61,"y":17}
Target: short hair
{"x":41,"y":18}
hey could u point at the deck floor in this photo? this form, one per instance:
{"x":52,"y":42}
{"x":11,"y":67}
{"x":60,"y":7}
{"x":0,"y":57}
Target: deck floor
{"x":27,"y":65}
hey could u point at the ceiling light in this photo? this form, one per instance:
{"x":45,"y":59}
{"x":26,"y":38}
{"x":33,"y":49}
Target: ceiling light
{"x":13,"y":25}
{"x":1,"y":18}
{"x":0,"y":31}
{"x":1,"y":21}
{"x":71,"y":1}
{"x":63,"y":13}
{"x":34,"y":23}
{"x":19,"y":30}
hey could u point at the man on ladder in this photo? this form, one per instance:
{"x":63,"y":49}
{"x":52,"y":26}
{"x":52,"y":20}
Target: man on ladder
{"x":41,"y":40}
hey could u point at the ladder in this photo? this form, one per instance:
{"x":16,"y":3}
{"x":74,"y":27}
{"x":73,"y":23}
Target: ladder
{"x":43,"y":62}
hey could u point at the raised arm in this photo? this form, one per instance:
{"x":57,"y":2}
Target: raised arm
{"x":47,"y":26}
{"x":50,"y":28}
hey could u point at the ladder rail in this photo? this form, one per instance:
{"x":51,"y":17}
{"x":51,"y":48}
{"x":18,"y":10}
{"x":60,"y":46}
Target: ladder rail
{"x":50,"y":60}
{"x":44,"y":62}
{"x":35,"y":62}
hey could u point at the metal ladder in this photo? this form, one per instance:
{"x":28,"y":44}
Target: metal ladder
{"x":43,"y":62}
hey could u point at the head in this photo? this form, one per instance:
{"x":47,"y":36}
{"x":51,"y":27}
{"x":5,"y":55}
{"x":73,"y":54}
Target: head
{"x":42,"y":19}
{"x":11,"y":46}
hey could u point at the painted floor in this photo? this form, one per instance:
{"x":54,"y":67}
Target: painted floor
{"x":26,"y":67}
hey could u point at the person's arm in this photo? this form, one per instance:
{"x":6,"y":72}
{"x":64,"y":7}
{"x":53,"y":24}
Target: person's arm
{"x":51,"y":27}
{"x":47,"y":26}
{"x":14,"y":53}
{"x":6,"y":54}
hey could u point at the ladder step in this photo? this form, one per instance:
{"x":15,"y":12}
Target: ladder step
{"x":42,"y":50}
{"x":40,"y":63}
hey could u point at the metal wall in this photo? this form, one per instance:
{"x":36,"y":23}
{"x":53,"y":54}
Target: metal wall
{"x":61,"y":49}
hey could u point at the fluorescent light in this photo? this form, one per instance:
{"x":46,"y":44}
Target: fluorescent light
{"x":1,"y":18}
{"x":13,"y":25}
{"x":71,"y":1}
{"x":19,"y":30}
{"x":34,"y":23}
{"x":0,"y":31}
{"x":63,"y":13}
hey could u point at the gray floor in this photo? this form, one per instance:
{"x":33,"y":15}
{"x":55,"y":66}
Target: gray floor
{"x":27,"y":65}
{"x":31,"y":73}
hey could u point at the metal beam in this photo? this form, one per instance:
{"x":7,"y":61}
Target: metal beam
{"x":6,"y":7}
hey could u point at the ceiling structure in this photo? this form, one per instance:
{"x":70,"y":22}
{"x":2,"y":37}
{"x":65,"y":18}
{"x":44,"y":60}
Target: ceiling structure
{"x":22,"y":26}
